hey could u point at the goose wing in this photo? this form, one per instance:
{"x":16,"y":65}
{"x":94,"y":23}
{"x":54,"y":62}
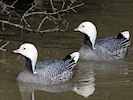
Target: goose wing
{"x":113,"y":46}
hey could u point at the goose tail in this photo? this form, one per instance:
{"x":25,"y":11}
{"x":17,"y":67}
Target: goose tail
{"x":72,"y":58}
{"x":124,"y":34}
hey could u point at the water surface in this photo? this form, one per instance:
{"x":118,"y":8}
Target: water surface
{"x":92,"y":81}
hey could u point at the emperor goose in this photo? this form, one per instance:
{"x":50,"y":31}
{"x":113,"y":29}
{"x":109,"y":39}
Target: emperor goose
{"x":47,"y":72}
{"x":105,"y":49}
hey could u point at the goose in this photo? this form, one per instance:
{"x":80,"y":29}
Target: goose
{"x":46,"y":72}
{"x":106,"y":49}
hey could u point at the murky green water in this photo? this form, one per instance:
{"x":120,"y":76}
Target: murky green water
{"x":97,"y":81}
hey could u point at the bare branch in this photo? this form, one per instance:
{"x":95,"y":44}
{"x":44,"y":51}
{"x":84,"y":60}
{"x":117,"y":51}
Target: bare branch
{"x":26,"y":22}
{"x":35,"y":13}
{"x":54,"y":16}
{"x":54,"y":19}
{"x":41,"y":23}
{"x":5,"y":45}
{"x":28,"y":29}
{"x":27,"y":12}
{"x":66,"y":26}
{"x":51,"y":2}
{"x":74,"y":10}
{"x":2,"y":47}
{"x":54,"y":13}
{"x":70,"y":4}
{"x":63,"y":4}
{"x":14,"y":3}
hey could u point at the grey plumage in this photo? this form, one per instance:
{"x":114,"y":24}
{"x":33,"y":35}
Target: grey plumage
{"x":103,"y":49}
{"x":47,"y":72}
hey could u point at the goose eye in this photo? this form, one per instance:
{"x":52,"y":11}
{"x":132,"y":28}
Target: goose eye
{"x":83,"y":26}
{"x":24,"y":48}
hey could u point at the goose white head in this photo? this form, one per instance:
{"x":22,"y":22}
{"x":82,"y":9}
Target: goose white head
{"x":28,"y":50}
{"x":89,"y":29}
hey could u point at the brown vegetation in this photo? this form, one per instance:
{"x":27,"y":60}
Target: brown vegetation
{"x":55,"y":16}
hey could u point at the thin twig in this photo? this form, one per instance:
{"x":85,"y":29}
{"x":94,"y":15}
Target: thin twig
{"x":5,"y":5}
{"x":17,"y":25}
{"x":53,"y":8}
{"x":54,"y":16}
{"x":41,"y":23}
{"x":54,"y":19}
{"x":27,"y":12}
{"x":28,"y":29}
{"x":74,"y":10}
{"x":3,"y":27}
{"x":35,"y":13}
{"x":63,"y":5}
{"x":70,"y":4}
{"x":66,"y":26}
{"x":57,"y":12}
{"x":26,"y":22}
{"x":30,"y":8}
{"x":2,"y":47}
{"x":5,"y":44}
{"x":14,"y":3}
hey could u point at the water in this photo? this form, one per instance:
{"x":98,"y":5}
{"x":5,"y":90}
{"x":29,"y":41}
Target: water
{"x":99,"y":81}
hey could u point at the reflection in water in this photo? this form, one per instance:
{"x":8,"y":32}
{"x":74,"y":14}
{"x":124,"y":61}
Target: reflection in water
{"x":89,"y":71}
{"x":48,"y":88}
{"x":83,"y":82}
{"x":85,"y":88}
{"x":85,"y":78}
{"x":27,"y":90}
{"x":83,"y":85}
